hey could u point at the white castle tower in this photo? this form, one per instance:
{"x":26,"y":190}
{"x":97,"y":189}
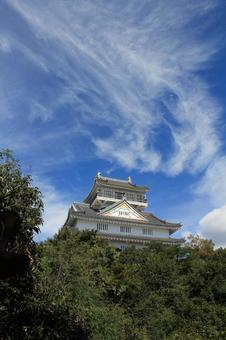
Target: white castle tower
{"x":115,"y":208}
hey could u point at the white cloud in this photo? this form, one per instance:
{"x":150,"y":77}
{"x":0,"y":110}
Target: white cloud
{"x":213,"y":226}
{"x":212,"y":188}
{"x":4,"y":45}
{"x":132,"y":69}
{"x":128,"y":151}
{"x":213,"y":183}
{"x":40,"y":111}
{"x":55,"y":209}
{"x":124,"y":72}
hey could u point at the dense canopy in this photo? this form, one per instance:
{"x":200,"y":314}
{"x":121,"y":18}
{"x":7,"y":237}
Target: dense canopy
{"x":80,"y":288}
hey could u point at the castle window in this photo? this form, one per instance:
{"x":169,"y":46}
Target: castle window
{"x":140,"y":197}
{"x":130,"y":196}
{"x":102,"y":226}
{"x":148,"y":232}
{"x":108,"y":193}
{"x":118,"y":195}
{"x":125,"y":229}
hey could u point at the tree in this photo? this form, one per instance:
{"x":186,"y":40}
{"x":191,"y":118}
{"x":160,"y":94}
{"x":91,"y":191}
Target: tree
{"x":132,"y":294}
{"x":201,"y":245}
{"x":19,"y":195}
{"x":74,"y":276}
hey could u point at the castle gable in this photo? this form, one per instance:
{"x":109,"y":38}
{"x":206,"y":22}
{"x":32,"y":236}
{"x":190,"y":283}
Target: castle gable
{"x":122,"y":209}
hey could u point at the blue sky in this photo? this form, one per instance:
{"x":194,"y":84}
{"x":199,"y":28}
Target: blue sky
{"x":126,"y":88}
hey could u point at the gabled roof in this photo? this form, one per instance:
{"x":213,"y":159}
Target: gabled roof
{"x":129,"y":212}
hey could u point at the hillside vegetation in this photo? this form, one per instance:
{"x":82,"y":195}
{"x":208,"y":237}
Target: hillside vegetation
{"x":86,"y":290}
{"x":80,"y":288}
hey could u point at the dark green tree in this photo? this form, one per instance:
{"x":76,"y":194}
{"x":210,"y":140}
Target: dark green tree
{"x":74,"y":276}
{"x":136,"y":293}
{"x":18,"y":194}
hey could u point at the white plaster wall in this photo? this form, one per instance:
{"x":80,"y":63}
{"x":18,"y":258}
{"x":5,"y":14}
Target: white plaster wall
{"x":161,"y":233}
{"x":83,"y":225}
{"x":115,"y":229}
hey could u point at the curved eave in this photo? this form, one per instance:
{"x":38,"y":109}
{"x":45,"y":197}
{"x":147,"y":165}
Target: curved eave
{"x":175,"y":228}
{"x":91,"y":194}
{"x":70,"y":217}
{"x":137,"y":239}
{"x":110,"y":219}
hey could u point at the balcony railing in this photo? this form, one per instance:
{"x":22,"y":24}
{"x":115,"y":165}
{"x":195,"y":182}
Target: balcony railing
{"x":120,"y":196}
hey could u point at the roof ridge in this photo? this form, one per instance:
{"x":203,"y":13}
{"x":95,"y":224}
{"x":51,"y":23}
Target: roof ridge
{"x":113,"y":179}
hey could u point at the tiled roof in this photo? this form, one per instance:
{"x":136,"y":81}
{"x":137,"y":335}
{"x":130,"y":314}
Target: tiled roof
{"x":84,"y":209}
{"x":124,"y":183}
{"x":155,"y":220}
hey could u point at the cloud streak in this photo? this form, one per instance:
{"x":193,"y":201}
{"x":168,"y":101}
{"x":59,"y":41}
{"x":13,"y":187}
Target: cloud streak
{"x":131,"y":70}
{"x":213,"y":183}
{"x":55,"y":209}
{"x":119,"y":81}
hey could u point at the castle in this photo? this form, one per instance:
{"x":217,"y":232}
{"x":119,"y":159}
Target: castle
{"x":115,"y":208}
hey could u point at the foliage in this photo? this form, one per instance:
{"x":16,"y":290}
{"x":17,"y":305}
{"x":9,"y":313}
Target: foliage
{"x":133,"y":294}
{"x":17,"y":194}
{"x":202,"y":246}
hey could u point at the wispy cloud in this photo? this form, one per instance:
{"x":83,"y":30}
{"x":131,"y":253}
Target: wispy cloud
{"x":40,"y":111}
{"x":55,"y":209}
{"x":130,"y":69}
{"x":121,"y":81}
{"x":4,"y":44}
{"x":213,"y":183}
